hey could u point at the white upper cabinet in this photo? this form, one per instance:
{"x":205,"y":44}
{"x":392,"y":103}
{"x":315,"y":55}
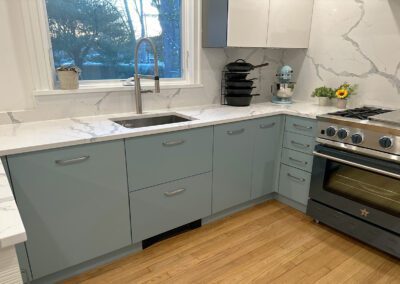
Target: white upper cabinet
{"x":257,"y":23}
{"x":289,"y":23}
{"x":248,"y":23}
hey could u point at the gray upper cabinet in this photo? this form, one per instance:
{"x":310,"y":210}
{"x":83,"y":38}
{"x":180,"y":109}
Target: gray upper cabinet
{"x":73,"y":202}
{"x":233,"y":154}
{"x":257,"y":23}
{"x":267,"y":146}
{"x":156,"y":159}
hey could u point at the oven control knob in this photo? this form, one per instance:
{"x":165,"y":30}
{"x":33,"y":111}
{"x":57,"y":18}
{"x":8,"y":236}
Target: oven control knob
{"x":343,"y":133}
{"x":386,"y":142}
{"x":331,"y":131}
{"x":357,"y":138}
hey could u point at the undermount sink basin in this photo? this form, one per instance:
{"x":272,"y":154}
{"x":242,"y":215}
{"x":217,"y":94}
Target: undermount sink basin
{"x":150,"y":121}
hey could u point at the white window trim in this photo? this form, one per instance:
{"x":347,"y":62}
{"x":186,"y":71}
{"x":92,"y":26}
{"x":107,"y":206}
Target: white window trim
{"x":41,"y":58}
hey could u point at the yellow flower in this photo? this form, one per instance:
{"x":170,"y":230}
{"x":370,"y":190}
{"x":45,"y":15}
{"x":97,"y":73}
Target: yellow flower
{"x":342,"y":93}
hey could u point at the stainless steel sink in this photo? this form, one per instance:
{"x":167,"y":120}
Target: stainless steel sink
{"x":150,"y":121}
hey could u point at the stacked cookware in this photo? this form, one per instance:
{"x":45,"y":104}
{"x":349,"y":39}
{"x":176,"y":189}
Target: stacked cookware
{"x":236,"y":89}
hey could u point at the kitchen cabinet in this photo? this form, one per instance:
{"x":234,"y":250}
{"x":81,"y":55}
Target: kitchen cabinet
{"x":232,"y":164}
{"x":267,"y":146}
{"x":73,"y":202}
{"x":164,"y":207}
{"x":157,"y":159}
{"x":294,"y":184}
{"x":257,"y":23}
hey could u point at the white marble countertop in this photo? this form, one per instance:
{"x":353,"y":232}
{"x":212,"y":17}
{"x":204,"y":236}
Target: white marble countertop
{"x":12,"y":230}
{"x":34,"y":136}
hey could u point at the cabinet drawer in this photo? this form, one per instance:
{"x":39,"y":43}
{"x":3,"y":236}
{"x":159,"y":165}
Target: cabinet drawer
{"x":299,"y":143}
{"x":294,"y":184}
{"x":304,"y":126}
{"x":297,"y":159}
{"x":161,"y":208}
{"x":157,"y":159}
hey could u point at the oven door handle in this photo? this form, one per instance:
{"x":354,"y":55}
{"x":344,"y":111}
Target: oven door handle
{"x":378,"y":171}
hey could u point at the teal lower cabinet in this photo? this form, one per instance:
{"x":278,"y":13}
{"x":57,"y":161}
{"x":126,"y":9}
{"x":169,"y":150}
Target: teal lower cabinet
{"x":294,"y":184}
{"x":164,"y":207}
{"x":232,"y":164}
{"x":73,"y":202}
{"x":266,"y":155}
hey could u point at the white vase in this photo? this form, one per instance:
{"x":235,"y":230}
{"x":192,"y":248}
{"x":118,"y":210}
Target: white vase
{"x":341,"y":103}
{"x":324,"y":101}
{"x":69,"y":80}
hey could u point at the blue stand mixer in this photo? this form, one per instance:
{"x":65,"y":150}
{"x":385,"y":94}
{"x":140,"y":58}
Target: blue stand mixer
{"x":282,"y":91}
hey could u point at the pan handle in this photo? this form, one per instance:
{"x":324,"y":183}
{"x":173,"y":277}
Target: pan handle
{"x":261,"y":65}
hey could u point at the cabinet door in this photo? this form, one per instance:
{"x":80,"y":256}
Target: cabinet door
{"x":73,"y":202}
{"x":266,"y":155}
{"x":233,"y":152}
{"x":290,"y":23}
{"x":248,"y":23}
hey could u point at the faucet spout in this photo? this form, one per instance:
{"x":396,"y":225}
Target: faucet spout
{"x":138,"y":89}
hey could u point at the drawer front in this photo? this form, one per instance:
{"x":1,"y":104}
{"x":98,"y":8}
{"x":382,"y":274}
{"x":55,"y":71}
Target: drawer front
{"x":294,"y":184}
{"x":299,"y":143}
{"x":299,"y":125}
{"x":157,"y":159}
{"x":161,"y":208}
{"x":297,"y":159}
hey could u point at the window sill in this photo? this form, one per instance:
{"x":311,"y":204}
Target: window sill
{"x":115,"y":87}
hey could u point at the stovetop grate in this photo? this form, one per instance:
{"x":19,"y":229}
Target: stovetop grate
{"x":362,"y":113}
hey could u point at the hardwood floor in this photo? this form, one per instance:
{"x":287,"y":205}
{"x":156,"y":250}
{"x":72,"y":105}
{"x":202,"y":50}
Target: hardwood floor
{"x":269,"y":243}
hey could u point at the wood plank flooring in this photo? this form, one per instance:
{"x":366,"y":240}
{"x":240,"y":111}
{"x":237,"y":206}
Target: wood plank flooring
{"x":268,"y":243}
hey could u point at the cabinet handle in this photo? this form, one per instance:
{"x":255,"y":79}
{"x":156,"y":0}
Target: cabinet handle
{"x":298,"y":161}
{"x":72,"y":161}
{"x":175,"y":192}
{"x":300,"y":144}
{"x":235,"y":132}
{"x":265,"y":126}
{"x":173,"y":143}
{"x":296,"y":178}
{"x":299,"y":126}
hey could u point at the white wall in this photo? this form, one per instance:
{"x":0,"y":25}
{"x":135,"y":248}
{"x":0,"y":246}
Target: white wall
{"x":14,"y":76}
{"x":356,"y":41}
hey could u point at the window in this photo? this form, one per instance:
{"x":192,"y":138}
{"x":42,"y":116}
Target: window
{"x":99,"y":36}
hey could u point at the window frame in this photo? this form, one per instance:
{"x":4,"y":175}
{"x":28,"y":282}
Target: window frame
{"x":41,"y":56}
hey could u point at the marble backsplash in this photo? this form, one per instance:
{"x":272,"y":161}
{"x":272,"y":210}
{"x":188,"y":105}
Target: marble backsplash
{"x":212,"y":63}
{"x":357,"y":41}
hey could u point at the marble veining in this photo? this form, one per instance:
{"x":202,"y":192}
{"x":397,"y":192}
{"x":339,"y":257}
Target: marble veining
{"x":12,"y":230}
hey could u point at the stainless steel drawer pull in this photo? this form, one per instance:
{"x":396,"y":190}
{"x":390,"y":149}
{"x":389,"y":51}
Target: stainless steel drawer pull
{"x":298,"y":161}
{"x":235,"y":132}
{"x":296,"y":178}
{"x":300,"y":144}
{"x":264,"y":126}
{"x":72,"y":161}
{"x":175,"y":192}
{"x":299,"y":126}
{"x":173,"y":143}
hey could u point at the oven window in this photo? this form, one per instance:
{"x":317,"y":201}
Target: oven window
{"x":372,"y":189}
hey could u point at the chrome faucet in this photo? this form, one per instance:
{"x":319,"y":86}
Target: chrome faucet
{"x":137,"y":76}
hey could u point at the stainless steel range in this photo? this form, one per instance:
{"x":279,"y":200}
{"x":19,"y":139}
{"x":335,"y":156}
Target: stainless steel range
{"x":355,"y":184}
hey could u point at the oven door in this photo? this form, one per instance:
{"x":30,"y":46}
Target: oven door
{"x":365,"y":187}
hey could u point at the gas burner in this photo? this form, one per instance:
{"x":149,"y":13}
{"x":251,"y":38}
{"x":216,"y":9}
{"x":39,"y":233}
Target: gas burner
{"x":362,"y":113}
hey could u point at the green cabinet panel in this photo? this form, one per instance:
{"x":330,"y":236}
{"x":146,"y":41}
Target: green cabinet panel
{"x":156,"y":159}
{"x":294,"y":184}
{"x":164,"y":207}
{"x":233,"y":161}
{"x":299,"y":142}
{"x":266,"y":157}
{"x":73,"y":202}
{"x":298,"y":160}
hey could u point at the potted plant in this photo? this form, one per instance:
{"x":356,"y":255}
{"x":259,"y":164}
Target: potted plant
{"x":324,"y":95}
{"x":343,"y":93}
{"x":68,"y":77}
